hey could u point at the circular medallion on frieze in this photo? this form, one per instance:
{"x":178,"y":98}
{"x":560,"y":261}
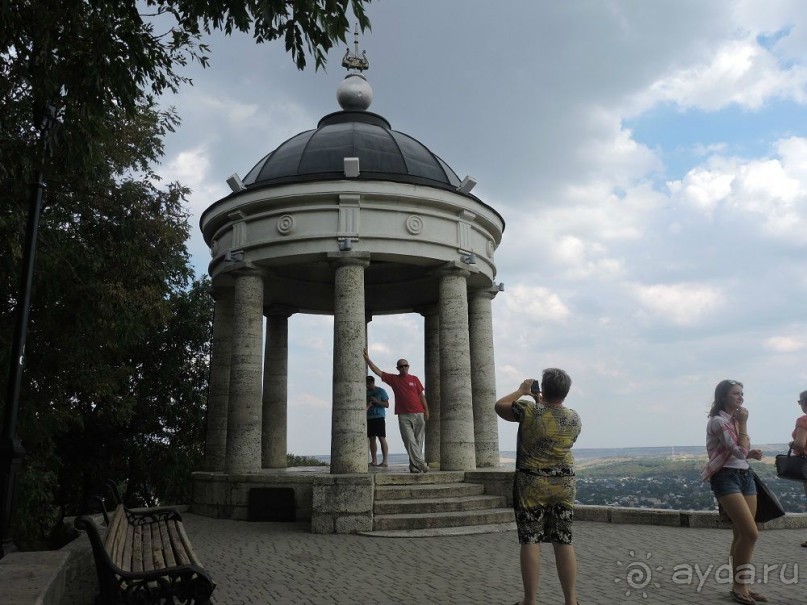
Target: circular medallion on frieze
{"x":285,"y":224}
{"x":491,"y":248}
{"x":414,"y":224}
{"x":214,"y":248}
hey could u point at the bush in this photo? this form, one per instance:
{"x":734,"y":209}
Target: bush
{"x":292,"y":460}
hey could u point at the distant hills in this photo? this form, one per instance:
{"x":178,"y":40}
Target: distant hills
{"x":656,"y":477}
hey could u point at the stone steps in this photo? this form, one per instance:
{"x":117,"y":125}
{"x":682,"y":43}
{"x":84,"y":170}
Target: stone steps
{"x":442,"y":520}
{"x":465,"y":530}
{"x":437,"y":505}
{"x":427,"y":491}
{"x":430,"y":478}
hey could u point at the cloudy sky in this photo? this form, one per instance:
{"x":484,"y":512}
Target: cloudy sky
{"x":649,"y":159}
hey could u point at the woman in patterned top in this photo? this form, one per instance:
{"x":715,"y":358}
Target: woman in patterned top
{"x":729,"y":447}
{"x":544,"y":484}
{"x":799,"y":443}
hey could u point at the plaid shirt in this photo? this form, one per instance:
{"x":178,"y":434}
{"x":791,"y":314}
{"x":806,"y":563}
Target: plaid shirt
{"x":721,"y":444}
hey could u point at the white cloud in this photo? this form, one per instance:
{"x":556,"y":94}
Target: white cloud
{"x":704,"y":188}
{"x":537,"y":303}
{"x":580,"y":260}
{"x":711,"y":149}
{"x":610,"y":153}
{"x":771,"y":192}
{"x":188,"y":167}
{"x":785,"y":344}
{"x":741,"y":72}
{"x":234,"y":112}
{"x":683,"y":304}
{"x":309,"y":400}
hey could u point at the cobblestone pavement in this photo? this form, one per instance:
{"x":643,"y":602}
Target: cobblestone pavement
{"x":284,"y":563}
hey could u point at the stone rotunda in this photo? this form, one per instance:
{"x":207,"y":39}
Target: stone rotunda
{"x":352,"y":219}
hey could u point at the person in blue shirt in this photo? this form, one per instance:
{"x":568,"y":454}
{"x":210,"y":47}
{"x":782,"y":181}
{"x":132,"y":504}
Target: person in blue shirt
{"x":377,"y":404}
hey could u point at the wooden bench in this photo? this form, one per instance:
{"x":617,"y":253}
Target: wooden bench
{"x":146,"y":557}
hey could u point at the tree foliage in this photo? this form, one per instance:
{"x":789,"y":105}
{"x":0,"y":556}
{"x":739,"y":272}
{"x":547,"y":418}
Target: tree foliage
{"x":116,"y":361}
{"x":295,"y":460}
{"x":116,"y":366}
{"x":85,"y":58}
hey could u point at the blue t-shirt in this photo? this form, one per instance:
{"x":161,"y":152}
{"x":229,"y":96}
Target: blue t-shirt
{"x":376,"y":411}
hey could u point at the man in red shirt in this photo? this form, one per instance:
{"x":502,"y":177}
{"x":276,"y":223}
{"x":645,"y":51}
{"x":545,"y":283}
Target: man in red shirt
{"x":411,"y":409}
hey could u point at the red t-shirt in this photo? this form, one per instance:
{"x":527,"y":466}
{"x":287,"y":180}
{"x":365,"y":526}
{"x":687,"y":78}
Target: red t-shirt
{"x":407,"y":391}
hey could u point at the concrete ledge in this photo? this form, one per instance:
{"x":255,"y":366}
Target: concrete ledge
{"x":597,"y":514}
{"x":33,"y":577}
{"x":675,"y":518}
{"x":646,"y":516}
{"x":704,"y":519}
{"x":50,"y":577}
{"x":789,"y":521}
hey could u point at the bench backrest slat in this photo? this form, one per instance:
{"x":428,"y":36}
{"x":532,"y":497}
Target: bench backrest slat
{"x":137,"y":549}
{"x":116,"y":536}
{"x":177,"y":545}
{"x":186,"y":545}
{"x":126,"y":558}
{"x":148,"y":554}
{"x":168,"y":552}
{"x":157,"y":547}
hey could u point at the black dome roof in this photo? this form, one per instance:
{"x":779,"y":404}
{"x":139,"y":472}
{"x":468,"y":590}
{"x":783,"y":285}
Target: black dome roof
{"x":384,"y":154}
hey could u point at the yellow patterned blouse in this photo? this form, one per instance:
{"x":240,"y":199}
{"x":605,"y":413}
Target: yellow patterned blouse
{"x":545,"y":435}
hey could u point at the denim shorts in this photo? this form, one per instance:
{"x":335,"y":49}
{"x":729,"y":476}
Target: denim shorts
{"x":733,"y":481}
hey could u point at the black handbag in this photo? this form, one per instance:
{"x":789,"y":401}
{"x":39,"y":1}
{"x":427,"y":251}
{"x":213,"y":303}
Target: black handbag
{"x":768,"y":505}
{"x":791,"y":467}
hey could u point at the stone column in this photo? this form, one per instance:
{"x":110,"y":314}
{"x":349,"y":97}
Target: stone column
{"x":483,"y":378}
{"x":219,"y":386}
{"x":432,"y":386}
{"x":456,"y":413}
{"x":349,"y":419}
{"x":275,"y":390}
{"x":244,"y":417}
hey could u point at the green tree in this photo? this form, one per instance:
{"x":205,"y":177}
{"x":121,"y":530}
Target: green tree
{"x":86,"y":58}
{"x":170,"y":389}
{"x":117,"y":348}
{"x":109,"y":340}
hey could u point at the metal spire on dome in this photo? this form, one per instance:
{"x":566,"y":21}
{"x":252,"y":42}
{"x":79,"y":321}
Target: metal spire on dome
{"x":355,"y":92}
{"x":354,"y":61}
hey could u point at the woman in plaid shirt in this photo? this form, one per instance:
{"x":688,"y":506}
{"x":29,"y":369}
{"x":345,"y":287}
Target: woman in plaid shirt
{"x":729,"y":447}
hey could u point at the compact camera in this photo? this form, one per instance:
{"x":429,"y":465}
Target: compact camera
{"x":535,"y":387}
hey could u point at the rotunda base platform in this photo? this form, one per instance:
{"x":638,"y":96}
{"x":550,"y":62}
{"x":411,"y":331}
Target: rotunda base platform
{"x":340,"y":504}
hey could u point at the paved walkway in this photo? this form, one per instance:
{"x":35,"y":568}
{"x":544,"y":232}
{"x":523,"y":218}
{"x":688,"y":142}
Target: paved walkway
{"x":621,"y":564}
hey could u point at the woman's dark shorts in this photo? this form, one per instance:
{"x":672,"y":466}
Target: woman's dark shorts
{"x":376,"y":427}
{"x":733,"y":481}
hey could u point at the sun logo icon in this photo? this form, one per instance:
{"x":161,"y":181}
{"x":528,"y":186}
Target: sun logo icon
{"x":638,"y":575}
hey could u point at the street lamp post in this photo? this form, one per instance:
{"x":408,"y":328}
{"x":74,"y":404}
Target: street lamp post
{"x":11,"y":450}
